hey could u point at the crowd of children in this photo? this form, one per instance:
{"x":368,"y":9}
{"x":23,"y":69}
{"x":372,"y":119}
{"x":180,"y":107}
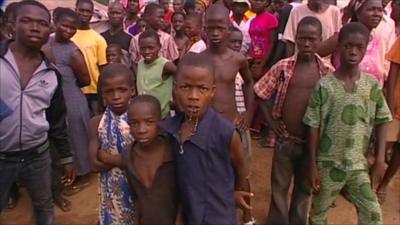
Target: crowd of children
{"x":165,"y":103}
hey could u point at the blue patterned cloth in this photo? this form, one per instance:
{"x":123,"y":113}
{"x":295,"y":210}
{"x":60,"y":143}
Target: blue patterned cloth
{"x":116,"y":201}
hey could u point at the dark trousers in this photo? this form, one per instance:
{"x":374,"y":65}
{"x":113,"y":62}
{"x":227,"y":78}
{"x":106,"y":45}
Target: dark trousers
{"x":35,"y":173}
{"x":93,"y":103}
{"x":56,"y":173}
{"x":290,"y":160}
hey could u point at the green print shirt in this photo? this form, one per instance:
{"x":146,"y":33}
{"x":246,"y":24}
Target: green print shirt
{"x":346,"y":120}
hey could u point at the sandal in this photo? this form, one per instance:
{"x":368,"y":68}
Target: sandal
{"x":264,"y":143}
{"x":76,"y":187}
{"x":251,"y":222}
{"x":12,"y":202}
{"x":13,"y":198}
{"x":62,"y":203}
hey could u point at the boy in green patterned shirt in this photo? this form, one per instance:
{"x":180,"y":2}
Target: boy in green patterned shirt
{"x":343,"y":111}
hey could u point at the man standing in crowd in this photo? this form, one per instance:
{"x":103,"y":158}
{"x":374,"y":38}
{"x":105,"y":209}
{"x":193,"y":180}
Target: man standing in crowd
{"x":93,"y":47}
{"x":329,"y":15}
{"x":32,"y":112}
{"x":116,"y":33}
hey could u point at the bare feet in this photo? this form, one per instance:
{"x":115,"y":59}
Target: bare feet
{"x":381,"y":193}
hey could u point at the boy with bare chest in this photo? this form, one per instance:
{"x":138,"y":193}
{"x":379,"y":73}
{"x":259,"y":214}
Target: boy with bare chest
{"x":292,"y":80}
{"x":227,"y":64}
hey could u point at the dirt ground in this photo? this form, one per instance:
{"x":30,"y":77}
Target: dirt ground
{"x":85,"y":204}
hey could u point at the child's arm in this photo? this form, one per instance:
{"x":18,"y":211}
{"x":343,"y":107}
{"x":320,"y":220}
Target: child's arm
{"x":110,"y":159}
{"x":391,"y":85}
{"x":241,"y":171}
{"x":96,"y":164}
{"x":79,"y":67}
{"x":313,"y":119}
{"x":328,"y":47}
{"x":169,"y":70}
{"x":277,"y":126}
{"x":378,"y":170}
{"x":248,"y":90}
{"x":179,"y":216}
{"x":313,"y":141}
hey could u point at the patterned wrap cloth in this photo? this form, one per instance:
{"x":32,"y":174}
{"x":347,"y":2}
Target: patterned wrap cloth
{"x":116,"y":199}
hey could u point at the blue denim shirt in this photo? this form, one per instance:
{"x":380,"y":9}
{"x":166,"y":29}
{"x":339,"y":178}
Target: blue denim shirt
{"x":204,"y":172}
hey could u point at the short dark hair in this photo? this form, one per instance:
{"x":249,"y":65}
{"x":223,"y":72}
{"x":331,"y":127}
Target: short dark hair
{"x":310,"y":21}
{"x":114,"y":46}
{"x":234,"y":29}
{"x":196,"y":60}
{"x":60,"y":13}
{"x":113,"y":70}
{"x":84,"y":1}
{"x":147,"y":99}
{"x":189,"y":5}
{"x":150,"y":34}
{"x":150,"y":9}
{"x":218,"y":9}
{"x":198,"y":19}
{"x":353,"y":28}
{"x":178,"y":13}
{"x":31,"y":3}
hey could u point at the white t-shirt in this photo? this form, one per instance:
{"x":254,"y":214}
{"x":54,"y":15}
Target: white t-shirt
{"x":331,"y":21}
{"x":198,"y":47}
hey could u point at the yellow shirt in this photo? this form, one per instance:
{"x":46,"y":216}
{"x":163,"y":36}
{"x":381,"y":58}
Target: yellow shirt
{"x":93,"y":47}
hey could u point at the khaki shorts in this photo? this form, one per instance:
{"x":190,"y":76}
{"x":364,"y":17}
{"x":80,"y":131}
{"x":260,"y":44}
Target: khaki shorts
{"x":393,"y":131}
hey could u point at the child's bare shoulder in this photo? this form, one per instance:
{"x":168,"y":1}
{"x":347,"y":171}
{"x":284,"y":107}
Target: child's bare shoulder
{"x":95,"y":121}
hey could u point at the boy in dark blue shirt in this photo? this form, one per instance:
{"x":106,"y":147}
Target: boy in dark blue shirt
{"x":210,"y":164}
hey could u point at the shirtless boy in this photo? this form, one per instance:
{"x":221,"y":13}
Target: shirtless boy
{"x":227,"y":64}
{"x":292,"y":80}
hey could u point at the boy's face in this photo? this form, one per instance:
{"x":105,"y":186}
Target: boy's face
{"x":191,"y":30}
{"x":178,"y":5}
{"x":114,"y":55}
{"x":352,"y":48}
{"x":217,"y":29}
{"x":178,"y":22}
{"x":164,"y":4}
{"x":194,"y":89}
{"x":239,"y":8}
{"x":117,"y":91}
{"x":32,"y":26}
{"x":307,"y":40}
{"x":235,"y":41}
{"x":141,"y":26}
{"x":277,"y":5}
{"x":85,"y":12}
{"x":156,"y":20}
{"x":116,"y":15}
{"x":132,"y":7}
{"x":149,"y":49}
{"x":199,"y":8}
{"x":66,"y":27}
{"x":143,"y":121}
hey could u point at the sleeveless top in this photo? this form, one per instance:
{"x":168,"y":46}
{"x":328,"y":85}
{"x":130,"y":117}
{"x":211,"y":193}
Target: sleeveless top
{"x":206,"y":179}
{"x":149,"y":81}
{"x":116,"y":200}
